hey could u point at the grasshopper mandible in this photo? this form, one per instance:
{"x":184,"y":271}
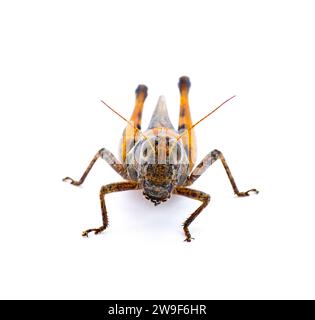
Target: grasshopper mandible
{"x":161,"y":160}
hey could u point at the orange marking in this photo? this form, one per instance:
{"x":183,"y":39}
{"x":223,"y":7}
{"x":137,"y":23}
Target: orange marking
{"x":189,"y":140}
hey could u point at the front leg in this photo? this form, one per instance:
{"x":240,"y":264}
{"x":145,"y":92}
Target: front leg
{"x":113,"y":187}
{"x":206,"y":163}
{"x":109,"y":158}
{"x":196,"y":195}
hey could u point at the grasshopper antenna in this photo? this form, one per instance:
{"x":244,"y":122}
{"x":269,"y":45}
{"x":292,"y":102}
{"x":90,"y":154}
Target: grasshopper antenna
{"x":119,"y":115}
{"x":206,"y":116}
{"x":122,"y":117}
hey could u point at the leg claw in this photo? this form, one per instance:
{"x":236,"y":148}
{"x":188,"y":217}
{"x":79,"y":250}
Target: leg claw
{"x":75,"y":183}
{"x":188,"y":239}
{"x":247,"y":193}
{"x":85,"y":234}
{"x":96,"y":231}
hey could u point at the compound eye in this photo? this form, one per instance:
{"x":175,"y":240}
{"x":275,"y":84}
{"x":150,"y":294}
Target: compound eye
{"x":132,"y":172}
{"x":179,"y":154}
{"x":145,"y":152}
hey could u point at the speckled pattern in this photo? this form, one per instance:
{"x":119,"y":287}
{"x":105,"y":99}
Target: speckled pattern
{"x":160,"y":160}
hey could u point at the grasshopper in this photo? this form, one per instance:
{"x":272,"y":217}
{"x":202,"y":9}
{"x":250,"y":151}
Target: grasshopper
{"x":161,"y":160}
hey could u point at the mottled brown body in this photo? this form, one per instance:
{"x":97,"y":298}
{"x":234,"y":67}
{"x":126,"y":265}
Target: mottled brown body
{"x":161,"y":160}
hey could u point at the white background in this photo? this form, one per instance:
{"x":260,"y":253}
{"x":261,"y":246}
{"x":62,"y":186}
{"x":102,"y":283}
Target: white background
{"x":58,"y":58}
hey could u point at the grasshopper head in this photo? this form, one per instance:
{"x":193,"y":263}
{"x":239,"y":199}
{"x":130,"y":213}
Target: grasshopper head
{"x":164,"y":165}
{"x":158,"y":182}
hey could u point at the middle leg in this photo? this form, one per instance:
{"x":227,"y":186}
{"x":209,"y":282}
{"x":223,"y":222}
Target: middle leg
{"x":109,"y":158}
{"x":208,"y":160}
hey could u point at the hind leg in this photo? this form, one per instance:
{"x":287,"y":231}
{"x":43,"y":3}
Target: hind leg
{"x":208,"y":160}
{"x":131,"y":135}
{"x":185,"y":122}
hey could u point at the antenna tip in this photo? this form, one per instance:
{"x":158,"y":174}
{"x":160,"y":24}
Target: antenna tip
{"x":142,"y":89}
{"x":184,"y":83}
